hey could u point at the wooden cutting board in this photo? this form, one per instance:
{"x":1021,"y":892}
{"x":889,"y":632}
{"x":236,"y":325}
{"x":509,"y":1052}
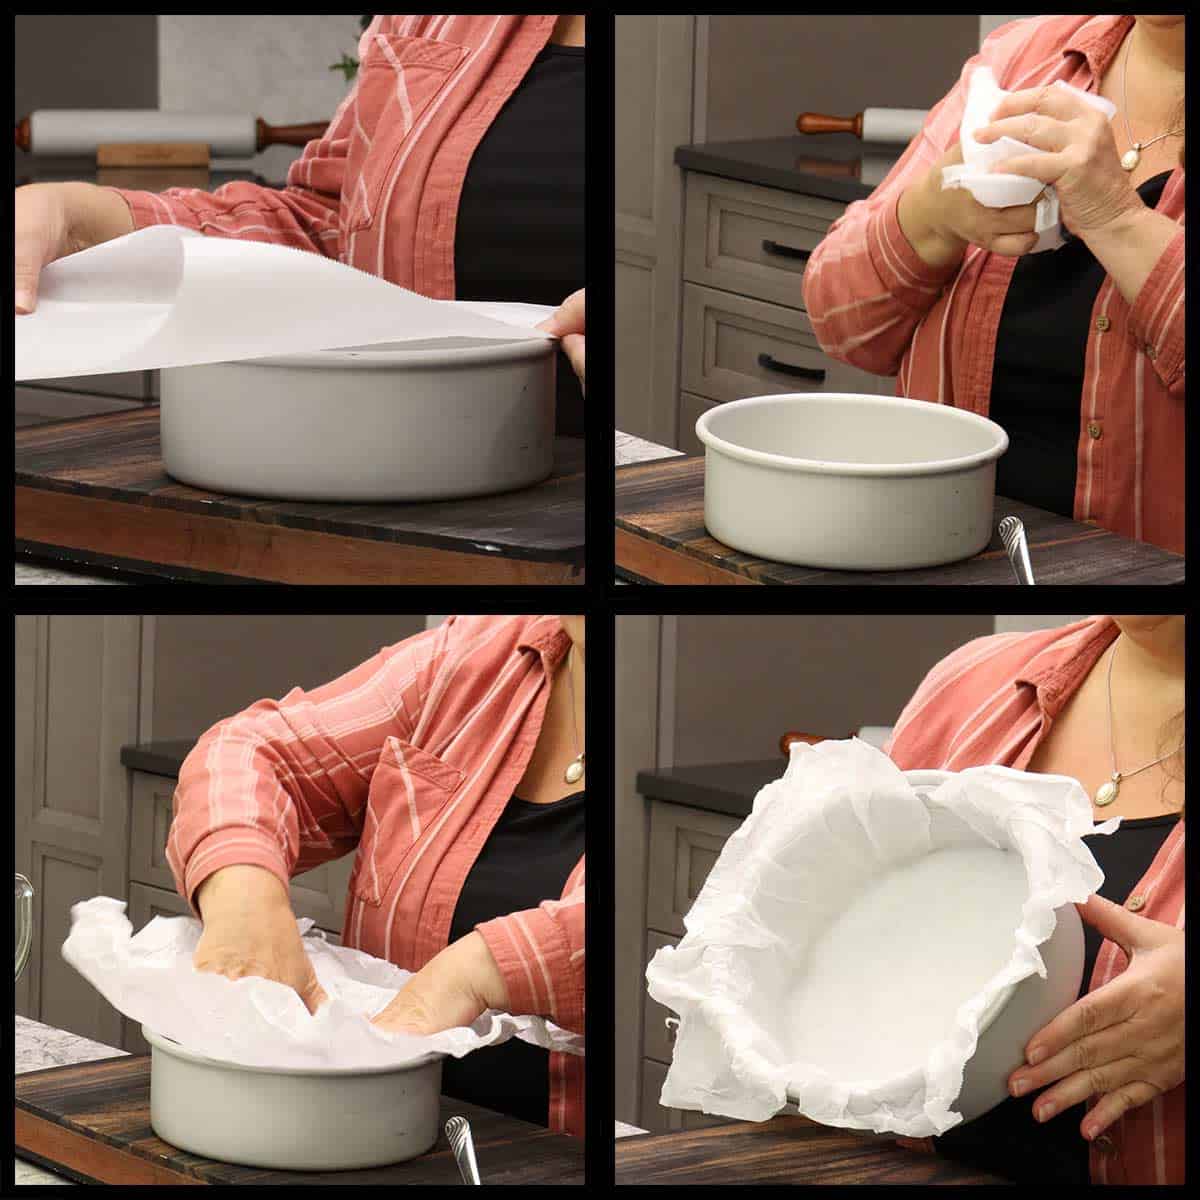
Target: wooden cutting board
{"x":91,"y":1122}
{"x":661,"y":538}
{"x":783,"y":1150}
{"x":93,"y":491}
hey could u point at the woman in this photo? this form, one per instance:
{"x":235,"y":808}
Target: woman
{"x":454,"y":167}
{"x":1077,"y":352}
{"x":452,"y":764}
{"x":1087,"y":700}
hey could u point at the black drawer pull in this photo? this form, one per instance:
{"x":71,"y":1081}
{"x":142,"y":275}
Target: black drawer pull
{"x":782,"y":251}
{"x":816,"y":374}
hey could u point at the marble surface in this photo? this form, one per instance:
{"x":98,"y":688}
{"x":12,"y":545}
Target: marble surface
{"x":630,"y":449}
{"x":37,"y":1046}
{"x":39,"y":573}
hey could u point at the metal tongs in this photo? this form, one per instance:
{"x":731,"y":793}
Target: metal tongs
{"x":1012,"y":534}
{"x":458,"y":1130}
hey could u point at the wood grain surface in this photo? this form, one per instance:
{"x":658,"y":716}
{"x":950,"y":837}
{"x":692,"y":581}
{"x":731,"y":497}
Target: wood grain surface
{"x":782,"y":1150}
{"x":91,"y":1122}
{"x":661,"y":538}
{"x":94,"y":489}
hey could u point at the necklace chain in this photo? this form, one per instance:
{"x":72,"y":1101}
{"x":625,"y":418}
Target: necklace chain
{"x":1108,"y":792}
{"x":1133,"y":155}
{"x":574,"y":771}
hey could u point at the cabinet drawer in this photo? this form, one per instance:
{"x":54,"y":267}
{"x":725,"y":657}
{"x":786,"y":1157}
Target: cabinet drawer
{"x":684,"y":844}
{"x":655,"y":1118}
{"x":735,"y":347}
{"x":752,"y":240}
{"x":658,"y":1038}
{"x":319,"y":894}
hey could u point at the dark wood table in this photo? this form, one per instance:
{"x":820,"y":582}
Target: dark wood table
{"x":782,"y":1150}
{"x":91,"y":1122}
{"x":661,"y":538}
{"x":93,"y":491}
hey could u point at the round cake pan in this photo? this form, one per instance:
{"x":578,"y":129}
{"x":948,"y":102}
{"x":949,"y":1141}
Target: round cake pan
{"x":849,"y":482}
{"x":392,"y":422}
{"x":292,"y":1119}
{"x":1017,"y":1012}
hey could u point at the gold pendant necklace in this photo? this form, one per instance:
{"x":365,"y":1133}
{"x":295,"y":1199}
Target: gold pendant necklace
{"x":1133,"y":155}
{"x":1107,"y":793}
{"x":574,"y":771}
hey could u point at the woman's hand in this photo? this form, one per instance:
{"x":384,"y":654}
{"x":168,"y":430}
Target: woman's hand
{"x":249,"y":929}
{"x":52,"y":220}
{"x":1094,"y":191}
{"x":941,"y":224}
{"x":450,"y":990}
{"x":567,"y":324}
{"x":1124,"y":1042}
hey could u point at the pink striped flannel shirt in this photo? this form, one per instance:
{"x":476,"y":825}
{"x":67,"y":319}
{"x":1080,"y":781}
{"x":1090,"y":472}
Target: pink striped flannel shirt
{"x":992,"y":701}
{"x":875,"y":303}
{"x":380,"y":189}
{"x":408,"y":760}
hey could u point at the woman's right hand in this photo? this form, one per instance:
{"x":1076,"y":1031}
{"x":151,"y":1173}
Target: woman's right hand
{"x":53,"y":220}
{"x":940,"y":224}
{"x":249,"y":929}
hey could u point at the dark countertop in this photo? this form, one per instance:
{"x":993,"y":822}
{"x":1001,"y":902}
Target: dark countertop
{"x":834,"y":166}
{"x":157,"y":758}
{"x":727,"y":788}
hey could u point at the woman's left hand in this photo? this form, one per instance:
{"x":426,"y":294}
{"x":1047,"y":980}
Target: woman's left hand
{"x":1094,"y":191}
{"x":567,"y":324}
{"x":450,"y":990}
{"x":1124,"y":1042}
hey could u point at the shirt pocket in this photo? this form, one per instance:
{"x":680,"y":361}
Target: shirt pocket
{"x":398,"y":79}
{"x":409,"y":789}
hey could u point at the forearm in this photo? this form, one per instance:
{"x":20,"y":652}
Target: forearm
{"x":238,"y":890}
{"x":916,"y":213}
{"x":1129,"y":247}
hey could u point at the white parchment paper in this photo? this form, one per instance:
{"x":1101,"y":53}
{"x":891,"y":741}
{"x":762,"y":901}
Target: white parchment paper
{"x":837,"y":822}
{"x":996,"y":189}
{"x":169,"y":297}
{"x":149,"y":977}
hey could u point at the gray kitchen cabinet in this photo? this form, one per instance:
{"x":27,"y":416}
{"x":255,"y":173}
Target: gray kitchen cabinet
{"x":752,"y":240}
{"x":77,"y":692}
{"x":683,"y":846}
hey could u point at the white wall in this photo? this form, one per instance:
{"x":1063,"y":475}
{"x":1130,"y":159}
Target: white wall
{"x":270,"y":66}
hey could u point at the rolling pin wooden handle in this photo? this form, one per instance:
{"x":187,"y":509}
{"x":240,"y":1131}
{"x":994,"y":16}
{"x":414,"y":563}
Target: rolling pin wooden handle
{"x":23,"y":134}
{"x":808,"y":122}
{"x":785,"y":742}
{"x":288,"y":135}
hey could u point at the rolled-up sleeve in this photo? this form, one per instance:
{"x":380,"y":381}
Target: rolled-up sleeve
{"x":284,"y":784}
{"x":1157,"y":316}
{"x":540,"y":953}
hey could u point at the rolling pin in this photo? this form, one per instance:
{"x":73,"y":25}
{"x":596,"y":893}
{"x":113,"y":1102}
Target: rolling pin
{"x":896,"y":126}
{"x":70,"y":132}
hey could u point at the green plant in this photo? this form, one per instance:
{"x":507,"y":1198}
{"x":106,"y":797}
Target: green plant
{"x":348,"y":65}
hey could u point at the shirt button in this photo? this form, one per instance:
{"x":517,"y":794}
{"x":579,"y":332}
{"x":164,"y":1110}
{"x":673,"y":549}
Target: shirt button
{"x":1094,"y":429}
{"x":1151,"y":353}
{"x":1103,"y":324}
{"x":1135,"y":903}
